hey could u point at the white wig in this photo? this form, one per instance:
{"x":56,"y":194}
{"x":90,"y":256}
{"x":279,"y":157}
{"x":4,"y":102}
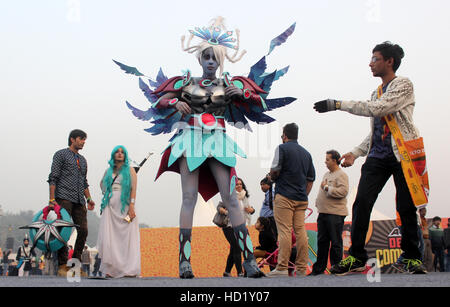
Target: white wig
{"x":220,"y":51}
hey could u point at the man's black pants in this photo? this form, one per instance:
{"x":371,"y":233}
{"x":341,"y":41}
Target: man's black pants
{"x":439,"y":257}
{"x":78,"y":212}
{"x":374,"y":175}
{"x":329,"y":230}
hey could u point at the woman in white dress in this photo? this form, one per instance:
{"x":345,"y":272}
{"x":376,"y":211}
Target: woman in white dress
{"x":118,"y":238}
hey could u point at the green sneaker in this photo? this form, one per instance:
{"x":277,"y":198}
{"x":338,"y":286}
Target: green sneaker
{"x":399,"y":266}
{"x":414,"y":266}
{"x":348,"y":265}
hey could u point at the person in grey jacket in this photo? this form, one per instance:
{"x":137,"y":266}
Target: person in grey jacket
{"x":383,"y":158}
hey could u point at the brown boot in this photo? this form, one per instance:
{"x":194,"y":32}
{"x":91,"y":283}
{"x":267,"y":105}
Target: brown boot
{"x":62,"y":270}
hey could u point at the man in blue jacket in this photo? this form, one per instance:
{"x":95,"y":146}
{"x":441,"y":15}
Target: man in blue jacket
{"x":293,"y":172}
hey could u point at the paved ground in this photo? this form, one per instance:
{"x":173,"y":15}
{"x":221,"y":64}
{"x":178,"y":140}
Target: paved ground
{"x":357,"y":280}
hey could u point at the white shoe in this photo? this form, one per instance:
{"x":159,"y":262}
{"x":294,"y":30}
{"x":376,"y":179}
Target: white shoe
{"x":277,"y":273}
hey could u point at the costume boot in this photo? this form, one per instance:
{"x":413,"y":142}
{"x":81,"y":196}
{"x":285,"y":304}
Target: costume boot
{"x":245,"y":243}
{"x":185,"y":254}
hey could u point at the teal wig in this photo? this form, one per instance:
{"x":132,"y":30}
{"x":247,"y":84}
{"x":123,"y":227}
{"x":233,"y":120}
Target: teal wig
{"x":125,"y":183}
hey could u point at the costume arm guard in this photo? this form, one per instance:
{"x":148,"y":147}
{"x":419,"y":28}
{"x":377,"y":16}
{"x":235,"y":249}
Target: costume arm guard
{"x":172,"y":85}
{"x":251,"y":91}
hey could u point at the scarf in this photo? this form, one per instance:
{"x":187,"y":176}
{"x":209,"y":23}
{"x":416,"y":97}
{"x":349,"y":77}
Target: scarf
{"x":241,"y":194}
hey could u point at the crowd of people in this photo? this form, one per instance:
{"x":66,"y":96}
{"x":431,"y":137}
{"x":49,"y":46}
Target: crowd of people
{"x":28,"y":261}
{"x":293,"y":174}
{"x":331,"y":204}
{"x":281,"y":225}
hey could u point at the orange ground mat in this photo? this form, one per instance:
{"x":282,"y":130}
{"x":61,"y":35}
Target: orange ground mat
{"x":159,"y":248}
{"x":159,"y":251}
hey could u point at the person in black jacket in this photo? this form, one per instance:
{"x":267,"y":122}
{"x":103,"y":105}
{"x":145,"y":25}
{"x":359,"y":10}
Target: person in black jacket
{"x":267,"y":239}
{"x":437,"y":243}
{"x":6,"y":261}
{"x":447,"y":246}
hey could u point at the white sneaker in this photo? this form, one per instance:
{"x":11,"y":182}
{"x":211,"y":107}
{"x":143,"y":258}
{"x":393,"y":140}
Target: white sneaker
{"x":277,"y":273}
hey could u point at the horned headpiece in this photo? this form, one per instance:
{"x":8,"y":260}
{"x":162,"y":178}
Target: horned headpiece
{"x":216,"y":36}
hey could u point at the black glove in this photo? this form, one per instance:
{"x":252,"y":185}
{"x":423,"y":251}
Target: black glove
{"x":325,"y":105}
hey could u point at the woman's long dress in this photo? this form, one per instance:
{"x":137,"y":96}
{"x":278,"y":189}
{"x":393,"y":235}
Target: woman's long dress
{"x":118,"y":241}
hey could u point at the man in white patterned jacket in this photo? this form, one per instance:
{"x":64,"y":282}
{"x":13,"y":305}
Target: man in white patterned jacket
{"x":383,"y":159}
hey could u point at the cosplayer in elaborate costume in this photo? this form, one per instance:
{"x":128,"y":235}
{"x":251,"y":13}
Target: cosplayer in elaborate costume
{"x":197,"y":108}
{"x":25,"y":256}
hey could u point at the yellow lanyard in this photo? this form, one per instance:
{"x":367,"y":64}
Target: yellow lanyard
{"x":413,"y":180}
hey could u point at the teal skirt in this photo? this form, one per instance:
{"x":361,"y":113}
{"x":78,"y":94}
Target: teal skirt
{"x":200,"y":142}
{"x":197,"y":142}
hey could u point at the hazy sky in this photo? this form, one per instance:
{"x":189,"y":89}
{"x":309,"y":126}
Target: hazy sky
{"x":57,"y":74}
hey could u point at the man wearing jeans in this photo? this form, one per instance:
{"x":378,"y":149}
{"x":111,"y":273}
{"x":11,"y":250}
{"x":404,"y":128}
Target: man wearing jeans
{"x":69,"y":189}
{"x":86,"y":260}
{"x":293,"y":172}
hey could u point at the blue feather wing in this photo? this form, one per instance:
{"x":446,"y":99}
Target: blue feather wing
{"x":279,"y":102}
{"x":165,"y":124}
{"x":129,"y":69}
{"x":255,"y":112}
{"x":278,"y":74}
{"x":282,"y":38}
{"x":163,"y":120}
{"x":266,"y":83}
{"x":148,"y":93}
{"x":281,"y":73}
{"x":257,"y":70}
{"x":160,"y":78}
{"x":142,"y":115}
{"x":240,"y":115}
{"x":272,"y":104}
{"x":257,"y":116}
{"x":234,"y":115}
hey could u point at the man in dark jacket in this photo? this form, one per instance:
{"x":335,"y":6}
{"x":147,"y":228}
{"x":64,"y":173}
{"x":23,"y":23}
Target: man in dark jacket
{"x":437,"y":243}
{"x":293,"y":173}
{"x":447,"y":246}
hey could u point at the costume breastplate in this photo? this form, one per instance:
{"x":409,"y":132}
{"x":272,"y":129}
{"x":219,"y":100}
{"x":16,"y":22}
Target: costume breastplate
{"x":206,"y":96}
